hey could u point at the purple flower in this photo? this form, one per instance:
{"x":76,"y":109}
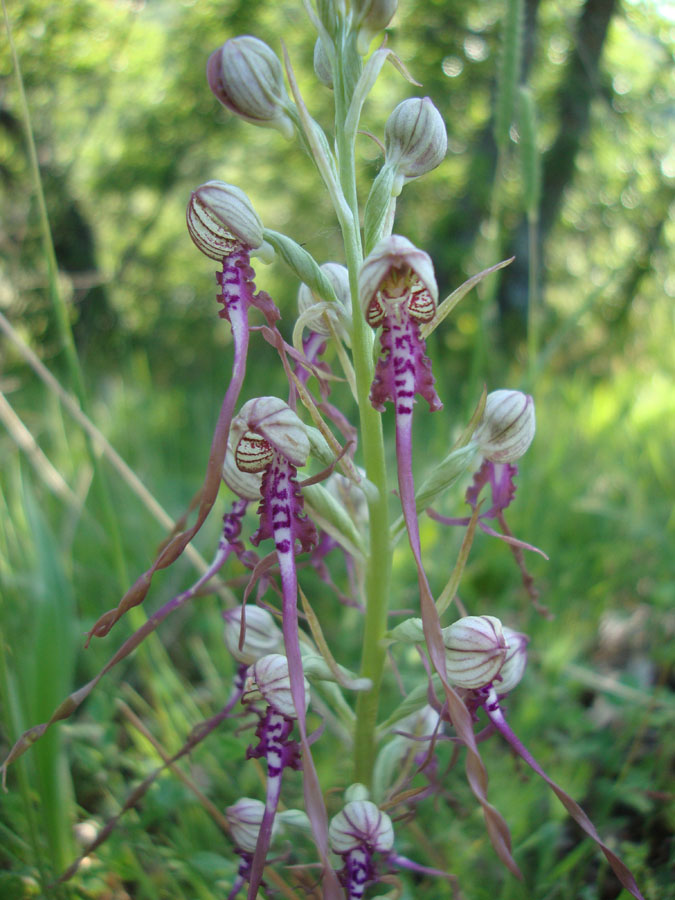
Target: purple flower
{"x":397,"y":289}
{"x":356,"y":833}
{"x":269,"y":681}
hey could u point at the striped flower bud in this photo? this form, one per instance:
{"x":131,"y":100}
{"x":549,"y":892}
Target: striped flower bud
{"x":263,"y":427}
{"x":261,"y":637}
{"x":339,"y":278}
{"x":475,"y":649}
{"x":269,"y":680}
{"x":395,"y":271}
{"x":515,"y":661}
{"x":244,"y":819}
{"x":246,"y":76}
{"x":360,"y":824}
{"x":415,"y":139}
{"x":507,"y":427}
{"x":221,"y":219}
{"x":244,"y":484}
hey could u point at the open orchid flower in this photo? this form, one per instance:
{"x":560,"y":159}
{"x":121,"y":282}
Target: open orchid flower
{"x":270,"y":440}
{"x":488,"y":661}
{"x":363,"y":835}
{"x":504,"y":433}
{"x":245,"y":819}
{"x":357,"y":833}
{"x":507,"y":427}
{"x":397,"y":290}
{"x":225,"y":227}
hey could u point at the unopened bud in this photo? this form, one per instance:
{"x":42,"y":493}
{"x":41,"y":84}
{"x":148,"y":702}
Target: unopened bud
{"x":269,"y":680}
{"x":372,"y":16}
{"x":246,"y":76}
{"x":350,"y":496}
{"x":263,"y":427}
{"x":422,"y":722}
{"x":322,"y":66}
{"x":360,"y":823}
{"x":339,"y":279}
{"x":220,"y":219}
{"x":507,"y":427}
{"x":415,"y":139}
{"x":319,"y":446}
{"x":244,"y":819}
{"x":397,"y":271}
{"x":475,"y":649}
{"x":261,"y":636}
{"x":356,"y":792}
{"x":515,"y":661}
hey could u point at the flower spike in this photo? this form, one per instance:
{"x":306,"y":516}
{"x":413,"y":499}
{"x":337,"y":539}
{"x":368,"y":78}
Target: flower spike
{"x":268,"y":437}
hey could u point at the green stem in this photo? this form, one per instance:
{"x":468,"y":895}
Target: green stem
{"x":378,"y":570}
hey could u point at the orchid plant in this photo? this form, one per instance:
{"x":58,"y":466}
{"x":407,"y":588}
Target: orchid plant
{"x":373,"y":314}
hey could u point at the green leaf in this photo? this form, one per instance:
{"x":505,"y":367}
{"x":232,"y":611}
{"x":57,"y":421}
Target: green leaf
{"x":301,"y":263}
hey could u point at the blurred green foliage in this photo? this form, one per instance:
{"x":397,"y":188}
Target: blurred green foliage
{"x":125,"y":127}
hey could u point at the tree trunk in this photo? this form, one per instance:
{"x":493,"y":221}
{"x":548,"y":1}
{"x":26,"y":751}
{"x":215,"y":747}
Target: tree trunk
{"x":580,"y":84}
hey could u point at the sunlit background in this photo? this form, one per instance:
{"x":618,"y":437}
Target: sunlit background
{"x":124,"y":127}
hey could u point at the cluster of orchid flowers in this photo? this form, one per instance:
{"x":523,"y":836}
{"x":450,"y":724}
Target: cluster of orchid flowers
{"x":482,"y":661}
{"x":471,"y":664}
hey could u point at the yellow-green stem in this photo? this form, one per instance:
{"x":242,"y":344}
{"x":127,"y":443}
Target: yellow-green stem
{"x":378,"y":573}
